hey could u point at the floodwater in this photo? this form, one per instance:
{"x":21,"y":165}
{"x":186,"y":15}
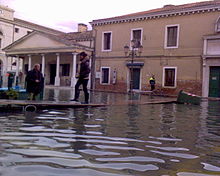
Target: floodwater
{"x":117,"y":140}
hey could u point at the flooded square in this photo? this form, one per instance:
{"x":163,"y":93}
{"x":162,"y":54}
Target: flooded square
{"x":115,"y":140}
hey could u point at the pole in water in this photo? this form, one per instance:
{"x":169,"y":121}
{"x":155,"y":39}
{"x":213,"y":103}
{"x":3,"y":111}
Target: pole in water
{"x":30,"y":108}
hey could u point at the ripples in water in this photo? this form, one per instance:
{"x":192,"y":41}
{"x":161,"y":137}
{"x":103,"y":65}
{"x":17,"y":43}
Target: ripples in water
{"x":109,"y":142}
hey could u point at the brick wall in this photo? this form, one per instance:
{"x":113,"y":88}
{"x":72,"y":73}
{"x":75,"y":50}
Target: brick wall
{"x":194,"y":87}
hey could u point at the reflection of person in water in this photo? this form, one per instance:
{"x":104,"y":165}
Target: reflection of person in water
{"x":79,"y":123}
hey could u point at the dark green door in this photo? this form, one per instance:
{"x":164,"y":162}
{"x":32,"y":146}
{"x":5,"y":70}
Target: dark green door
{"x":214,"y":82}
{"x":136,"y":78}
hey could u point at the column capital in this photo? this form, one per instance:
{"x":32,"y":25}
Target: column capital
{"x":58,"y":54}
{"x":74,"y":53}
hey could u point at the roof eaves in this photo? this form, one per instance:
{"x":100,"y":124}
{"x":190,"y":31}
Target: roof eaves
{"x":162,"y":12}
{"x":35,"y":26}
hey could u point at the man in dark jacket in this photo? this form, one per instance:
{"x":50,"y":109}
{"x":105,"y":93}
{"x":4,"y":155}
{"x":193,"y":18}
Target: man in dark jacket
{"x":34,"y":82}
{"x":83,"y":77}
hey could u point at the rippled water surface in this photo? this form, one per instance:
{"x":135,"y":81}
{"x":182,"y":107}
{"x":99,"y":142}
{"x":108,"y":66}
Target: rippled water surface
{"x":117,"y":140}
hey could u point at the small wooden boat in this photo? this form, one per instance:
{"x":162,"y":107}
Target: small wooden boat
{"x":188,"y":98}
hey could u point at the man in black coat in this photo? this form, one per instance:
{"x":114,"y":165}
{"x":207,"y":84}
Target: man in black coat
{"x":83,"y":77}
{"x":34,"y":82}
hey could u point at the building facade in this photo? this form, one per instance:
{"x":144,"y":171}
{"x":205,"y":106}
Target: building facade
{"x":12,"y":29}
{"x":25,"y":44}
{"x":180,"y":48}
{"x":58,"y":55}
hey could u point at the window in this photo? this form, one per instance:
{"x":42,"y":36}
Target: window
{"x":17,"y":30}
{"x":65,"y":68}
{"x":172,"y":36}
{"x":217,"y":27}
{"x":169,"y":76}
{"x":105,"y":79}
{"x":107,"y":41}
{"x":136,"y":36}
{"x":0,"y":43}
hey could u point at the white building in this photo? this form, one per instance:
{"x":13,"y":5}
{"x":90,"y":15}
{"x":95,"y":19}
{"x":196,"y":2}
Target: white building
{"x":27,"y":43}
{"x":12,"y":29}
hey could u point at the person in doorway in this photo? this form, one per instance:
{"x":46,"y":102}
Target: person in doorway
{"x":83,"y":77}
{"x":152,"y":82}
{"x":34,"y":82}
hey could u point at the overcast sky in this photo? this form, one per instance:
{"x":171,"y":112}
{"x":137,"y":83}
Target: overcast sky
{"x":65,"y":14}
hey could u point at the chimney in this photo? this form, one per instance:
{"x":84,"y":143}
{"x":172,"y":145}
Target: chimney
{"x":168,"y":6}
{"x":82,"y":27}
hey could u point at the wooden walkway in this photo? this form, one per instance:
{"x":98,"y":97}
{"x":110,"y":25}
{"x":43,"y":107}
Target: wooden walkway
{"x":34,"y":105}
{"x":46,"y":104}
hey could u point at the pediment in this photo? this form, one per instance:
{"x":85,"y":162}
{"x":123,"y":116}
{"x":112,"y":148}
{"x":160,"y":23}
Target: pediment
{"x":35,"y":41}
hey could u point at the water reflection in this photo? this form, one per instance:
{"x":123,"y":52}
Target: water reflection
{"x":162,"y":139}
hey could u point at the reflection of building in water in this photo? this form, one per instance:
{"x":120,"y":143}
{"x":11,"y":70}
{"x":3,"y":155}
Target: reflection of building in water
{"x":167,"y":119}
{"x":80,"y":118}
{"x":133,"y":115}
{"x":186,"y":125}
{"x":209,"y":130}
{"x":203,"y":131}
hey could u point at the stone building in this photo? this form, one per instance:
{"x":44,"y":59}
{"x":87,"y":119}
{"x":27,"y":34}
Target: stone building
{"x":25,"y":44}
{"x":181,"y":48}
{"x":12,"y":29}
{"x":57,"y":54}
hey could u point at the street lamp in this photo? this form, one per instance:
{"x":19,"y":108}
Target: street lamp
{"x":136,"y":49}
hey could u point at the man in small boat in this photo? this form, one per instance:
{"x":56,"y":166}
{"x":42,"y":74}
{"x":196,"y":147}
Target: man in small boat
{"x":34,"y":82}
{"x":83,"y":77}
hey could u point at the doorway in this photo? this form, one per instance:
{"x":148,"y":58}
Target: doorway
{"x":136,"y":78}
{"x":52,"y":73}
{"x":214,"y":82}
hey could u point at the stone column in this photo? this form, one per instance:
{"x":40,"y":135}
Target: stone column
{"x":205,"y":79}
{"x":73,"y":78}
{"x":43,"y":64}
{"x":206,"y":72}
{"x":90,"y":65}
{"x":17,"y":69}
{"x":4,"y":77}
{"x":29,"y":62}
{"x":57,"y":78}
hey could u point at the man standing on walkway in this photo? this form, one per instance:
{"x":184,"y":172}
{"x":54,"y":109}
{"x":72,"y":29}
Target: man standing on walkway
{"x":83,"y":77}
{"x":152,"y":82}
{"x":34,"y":82}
